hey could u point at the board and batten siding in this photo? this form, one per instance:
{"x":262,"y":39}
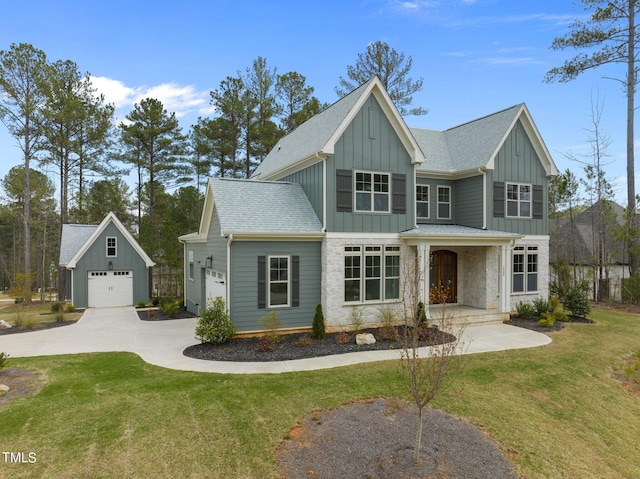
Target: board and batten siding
{"x":468,"y":202}
{"x":244,"y":309}
{"x":215,"y":246}
{"x":95,"y":259}
{"x":311,"y":180}
{"x":517,"y":162}
{"x":370,"y":144}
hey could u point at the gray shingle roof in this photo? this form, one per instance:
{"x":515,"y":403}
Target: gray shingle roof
{"x":249,"y":206}
{"x":72,"y":239}
{"x":310,"y":137}
{"x":467,"y":146}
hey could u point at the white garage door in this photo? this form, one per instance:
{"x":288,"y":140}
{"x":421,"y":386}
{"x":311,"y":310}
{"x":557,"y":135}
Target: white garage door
{"x":110,"y":288}
{"x":215,"y":285}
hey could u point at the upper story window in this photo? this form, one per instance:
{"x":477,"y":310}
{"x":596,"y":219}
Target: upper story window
{"x":518,"y":200}
{"x":422,"y":201}
{"x":112,"y":246}
{"x":372,"y":191}
{"x":191,"y":266}
{"x":444,"y":202}
{"x":278,"y":281}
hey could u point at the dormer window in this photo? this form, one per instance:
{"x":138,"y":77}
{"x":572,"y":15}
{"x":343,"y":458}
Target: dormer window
{"x":112,"y":247}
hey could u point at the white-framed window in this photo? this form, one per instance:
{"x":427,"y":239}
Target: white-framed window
{"x":279,"y":280}
{"x":525,"y":269}
{"x":518,"y":200}
{"x":444,"y":202}
{"x":191,"y":266}
{"x":112,"y":246}
{"x":371,"y":273}
{"x":422,"y":201}
{"x":372,"y":192}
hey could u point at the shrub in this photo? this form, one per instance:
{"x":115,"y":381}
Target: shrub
{"x":355,"y":318}
{"x":421,"y":313}
{"x":60,"y":316}
{"x":265,"y":345}
{"x":319,"y":329}
{"x":554,"y":304}
{"x":272,"y":323}
{"x":141,"y":304}
{"x":577,"y":302}
{"x":30,"y":323}
{"x":57,"y":307}
{"x":541,"y":306}
{"x":343,"y":338}
{"x":525,"y":310}
{"x":560,"y":315}
{"x":304,"y":341}
{"x":70,"y":308}
{"x":4,"y":357}
{"x":215,"y":325}
{"x":170,"y":307}
{"x":547,"y":320}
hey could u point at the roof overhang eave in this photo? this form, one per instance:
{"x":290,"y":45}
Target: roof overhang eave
{"x":274,"y":236}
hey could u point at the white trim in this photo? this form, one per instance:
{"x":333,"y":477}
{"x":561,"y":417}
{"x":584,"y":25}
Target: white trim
{"x":115,"y":246}
{"x":428,"y":187}
{"x":347,"y":235}
{"x":372,"y":193}
{"x":287,"y":282}
{"x":438,"y":203}
{"x":506,"y":200}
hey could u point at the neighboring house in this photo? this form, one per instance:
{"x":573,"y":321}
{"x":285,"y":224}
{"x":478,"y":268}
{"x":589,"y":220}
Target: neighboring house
{"x":340,"y":207}
{"x":105,"y":265}
{"x":590,"y":246}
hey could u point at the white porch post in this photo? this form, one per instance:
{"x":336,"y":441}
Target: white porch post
{"x":424,"y":252}
{"x":505,"y":280}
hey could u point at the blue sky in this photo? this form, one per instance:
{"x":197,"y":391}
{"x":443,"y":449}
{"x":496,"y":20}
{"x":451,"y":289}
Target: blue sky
{"x":475,"y":56}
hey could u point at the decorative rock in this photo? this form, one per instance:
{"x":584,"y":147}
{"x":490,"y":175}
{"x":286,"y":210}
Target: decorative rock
{"x":367,"y":338}
{"x":4,"y":325}
{"x":4,"y":388}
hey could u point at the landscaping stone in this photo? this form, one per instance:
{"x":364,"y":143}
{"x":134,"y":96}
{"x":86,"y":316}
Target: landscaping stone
{"x":4,"y":325}
{"x":4,"y":388}
{"x":366,"y":338}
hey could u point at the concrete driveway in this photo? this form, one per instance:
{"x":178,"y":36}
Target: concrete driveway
{"x":162,"y":342}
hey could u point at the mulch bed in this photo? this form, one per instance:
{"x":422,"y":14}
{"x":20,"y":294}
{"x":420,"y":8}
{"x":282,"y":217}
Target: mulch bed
{"x":157,"y":315}
{"x":532,"y":323}
{"x":38,"y":327}
{"x":21,"y":383}
{"x":301,"y":346}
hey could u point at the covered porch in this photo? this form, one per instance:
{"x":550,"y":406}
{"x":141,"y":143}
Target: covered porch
{"x":464,"y":270}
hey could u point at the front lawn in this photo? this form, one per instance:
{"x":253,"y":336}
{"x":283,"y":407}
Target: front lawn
{"x":33,"y":316}
{"x":556,"y":410}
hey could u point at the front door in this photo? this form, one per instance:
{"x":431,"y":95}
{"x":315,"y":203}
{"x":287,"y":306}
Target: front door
{"x":443,"y":277}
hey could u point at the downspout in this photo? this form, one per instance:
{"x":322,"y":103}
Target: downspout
{"x":324,"y":191}
{"x":229,"y":241}
{"x":483,"y":171}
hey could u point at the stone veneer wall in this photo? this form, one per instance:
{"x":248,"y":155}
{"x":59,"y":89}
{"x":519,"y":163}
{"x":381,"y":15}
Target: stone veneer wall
{"x":336,"y":311}
{"x":542,"y":242}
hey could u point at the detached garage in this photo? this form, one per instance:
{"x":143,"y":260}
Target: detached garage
{"x":105,"y":266}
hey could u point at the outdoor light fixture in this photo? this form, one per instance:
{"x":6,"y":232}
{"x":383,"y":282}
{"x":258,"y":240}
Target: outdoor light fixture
{"x":110,"y":266}
{"x":209,"y":263}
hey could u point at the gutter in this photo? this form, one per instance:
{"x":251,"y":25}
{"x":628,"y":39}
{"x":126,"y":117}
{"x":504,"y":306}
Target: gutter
{"x":228,"y":278}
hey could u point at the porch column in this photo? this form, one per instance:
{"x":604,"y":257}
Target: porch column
{"x":424,"y":253}
{"x":505,"y":279}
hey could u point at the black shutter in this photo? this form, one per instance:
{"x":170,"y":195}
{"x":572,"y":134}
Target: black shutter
{"x":344,"y":190}
{"x":498,"y":199}
{"x":262,"y":282}
{"x":295,"y":281}
{"x":399,"y":193}
{"x":538,"y":202}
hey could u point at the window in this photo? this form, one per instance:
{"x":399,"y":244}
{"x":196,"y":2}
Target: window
{"x":518,"y":200}
{"x":525,"y":269}
{"x":278,"y":281}
{"x":422,"y":201}
{"x":112,"y":250}
{"x":372,"y":192}
{"x":444,"y":202}
{"x":378,"y":280}
{"x":191,"y":265}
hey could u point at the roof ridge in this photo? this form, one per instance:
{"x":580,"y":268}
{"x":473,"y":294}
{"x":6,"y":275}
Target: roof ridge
{"x":485,"y":116}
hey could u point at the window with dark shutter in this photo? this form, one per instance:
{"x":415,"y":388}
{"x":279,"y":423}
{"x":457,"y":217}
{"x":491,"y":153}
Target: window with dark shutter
{"x":295,"y":281}
{"x":538,"y":202}
{"x":498,"y":199}
{"x":262,"y":282}
{"x":344,"y":190}
{"x":399,"y":193}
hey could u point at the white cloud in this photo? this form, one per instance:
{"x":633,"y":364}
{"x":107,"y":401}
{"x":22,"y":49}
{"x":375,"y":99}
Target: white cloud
{"x":183,"y":100}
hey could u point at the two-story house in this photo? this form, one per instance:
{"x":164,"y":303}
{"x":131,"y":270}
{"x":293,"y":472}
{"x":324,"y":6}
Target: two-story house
{"x":341,"y":206}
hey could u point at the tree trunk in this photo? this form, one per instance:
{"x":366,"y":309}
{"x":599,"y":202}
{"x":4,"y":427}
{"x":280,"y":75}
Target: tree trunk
{"x":631,"y":188}
{"x":27,"y":202}
{"x":416,"y":450}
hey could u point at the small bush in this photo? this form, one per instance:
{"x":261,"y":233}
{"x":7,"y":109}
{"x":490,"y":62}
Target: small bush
{"x":60,"y":316}
{"x":170,"y":307}
{"x":319,"y":329}
{"x":525,"y":310}
{"x":421,"y":313}
{"x":70,"y":308}
{"x":561,"y":316}
{"x":141,"y":304}
{"x":577,"y":302}
{"x":57,"y":307}
{"x":215,"y":325}
{"x":343,"y":338}
{"x":554,"y":304}
{"x":265,"y":345}
{"x":355,"y":318}
{"x":546,"y":320}
{"x":155,"y":302}
{"x":4,"y":357}
{"x":272,"y":323}
{"x":151,"y":313}
{"x":541,"y":306}
{"x":304,"y":341}
{"x":30,"y":323}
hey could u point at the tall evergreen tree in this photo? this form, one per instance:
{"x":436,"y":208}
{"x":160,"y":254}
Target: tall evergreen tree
{"x":610,"y":36}
{"x":229,"y":104}
{"x":393,"y":70}
{"x":297,"y":101}
{"x":22,"y":75}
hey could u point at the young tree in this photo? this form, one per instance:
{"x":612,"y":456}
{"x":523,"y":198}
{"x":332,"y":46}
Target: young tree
{"x":610,"y":37}
{"x":22,"y":75}
{"x":392,"y":68}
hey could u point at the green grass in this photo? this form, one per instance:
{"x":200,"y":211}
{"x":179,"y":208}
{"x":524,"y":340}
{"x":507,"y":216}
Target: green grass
{"x":556,"y":410}
{"x":32,"y":315}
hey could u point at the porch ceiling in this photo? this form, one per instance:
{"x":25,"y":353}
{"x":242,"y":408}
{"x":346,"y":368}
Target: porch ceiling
{"x":456,"y":235}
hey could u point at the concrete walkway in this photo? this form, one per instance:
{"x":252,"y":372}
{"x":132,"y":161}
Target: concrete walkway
{"x":162,"y":342}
